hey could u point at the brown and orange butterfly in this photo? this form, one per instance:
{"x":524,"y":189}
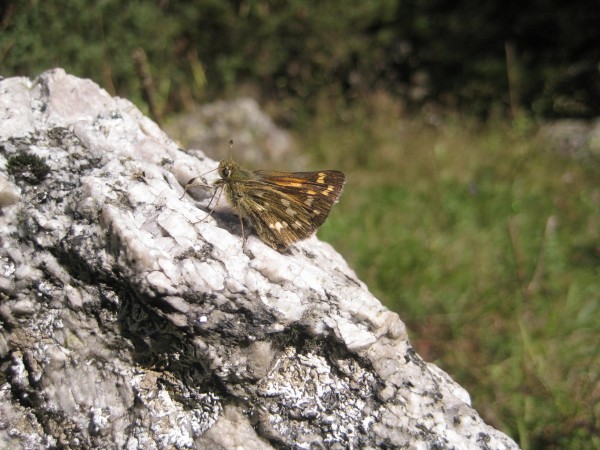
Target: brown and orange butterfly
{"x":283,"y":207}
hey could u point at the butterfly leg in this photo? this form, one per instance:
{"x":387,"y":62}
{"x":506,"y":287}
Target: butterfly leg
{"x":192,"y":183}
{"x":243,"y":234}
{"x":209,"y":213}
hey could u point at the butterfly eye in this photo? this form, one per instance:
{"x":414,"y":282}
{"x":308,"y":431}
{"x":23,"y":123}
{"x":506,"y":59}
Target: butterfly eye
{"x":226,"y":172}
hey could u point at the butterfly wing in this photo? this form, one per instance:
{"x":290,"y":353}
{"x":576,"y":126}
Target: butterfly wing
{"x":288,"y":207}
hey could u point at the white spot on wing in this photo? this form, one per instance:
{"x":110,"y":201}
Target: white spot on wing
{"x":278,"y":225}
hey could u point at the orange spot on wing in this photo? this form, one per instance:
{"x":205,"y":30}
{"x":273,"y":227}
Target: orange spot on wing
{"x":288,"y":182}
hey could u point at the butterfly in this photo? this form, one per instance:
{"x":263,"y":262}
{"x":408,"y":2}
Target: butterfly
{"x":283,"y":207}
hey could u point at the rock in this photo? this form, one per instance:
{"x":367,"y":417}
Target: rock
{"x":257,"y":141}
{"x":131,"y":320}
{"x":574,"y":138}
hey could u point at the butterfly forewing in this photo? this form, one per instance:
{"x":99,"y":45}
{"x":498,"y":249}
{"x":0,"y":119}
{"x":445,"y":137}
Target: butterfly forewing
{"x":326,"y":182}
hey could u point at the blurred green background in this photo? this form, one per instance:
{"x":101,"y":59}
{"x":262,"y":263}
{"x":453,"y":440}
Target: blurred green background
{"x":463,"y":211}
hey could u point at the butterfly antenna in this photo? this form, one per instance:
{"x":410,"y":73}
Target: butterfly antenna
{"x":230,"y":149}
{"x":192,"y":181}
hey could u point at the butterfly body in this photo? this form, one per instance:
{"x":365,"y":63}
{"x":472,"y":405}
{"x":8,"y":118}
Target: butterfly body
{"x":283,"y":207}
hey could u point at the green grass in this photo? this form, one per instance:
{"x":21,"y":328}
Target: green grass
{"x":487,"y":243}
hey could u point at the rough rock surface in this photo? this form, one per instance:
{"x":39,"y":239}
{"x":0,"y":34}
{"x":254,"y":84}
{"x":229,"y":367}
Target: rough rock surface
{"x":126,"y":321}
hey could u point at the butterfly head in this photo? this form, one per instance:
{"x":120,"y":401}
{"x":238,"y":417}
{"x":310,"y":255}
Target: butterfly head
{"x":227,"y":168}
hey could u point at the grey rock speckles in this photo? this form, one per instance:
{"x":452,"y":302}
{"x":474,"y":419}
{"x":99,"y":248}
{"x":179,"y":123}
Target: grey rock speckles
{"x":130,"y":320}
